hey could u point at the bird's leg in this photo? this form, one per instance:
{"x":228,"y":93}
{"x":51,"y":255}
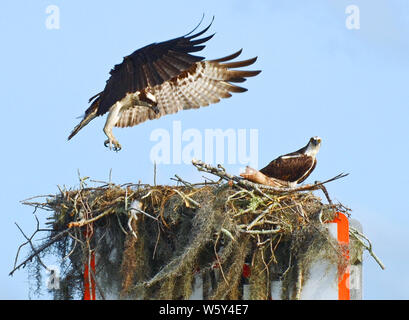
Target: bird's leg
{"x":111,"y":140}
{"x":112,"y":119}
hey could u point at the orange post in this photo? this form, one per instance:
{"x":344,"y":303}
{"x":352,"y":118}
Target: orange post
{"x":89,"y":281}
{"x":343,"y":239}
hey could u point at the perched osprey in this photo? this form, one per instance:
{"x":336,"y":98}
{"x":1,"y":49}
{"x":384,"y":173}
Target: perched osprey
{"x":164,"y":78}
{"x":294,"y":167}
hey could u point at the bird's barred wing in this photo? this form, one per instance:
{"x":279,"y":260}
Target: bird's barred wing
{"x":308,"y":172}
{"x":151,"y":66}
{"x":290,"y":167}
{"x":204,"y":83}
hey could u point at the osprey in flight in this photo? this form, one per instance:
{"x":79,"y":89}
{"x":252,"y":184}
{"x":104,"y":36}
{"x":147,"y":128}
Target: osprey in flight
{"x":294,"y":167}
{"x":164,"y":78}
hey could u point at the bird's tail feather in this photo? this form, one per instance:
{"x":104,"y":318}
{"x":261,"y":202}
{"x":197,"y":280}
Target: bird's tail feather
{"x":90,"y":114}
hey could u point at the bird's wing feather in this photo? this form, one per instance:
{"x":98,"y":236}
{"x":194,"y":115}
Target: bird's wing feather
{"x":308,"y":172}
{"x":289,"y":168}
{"x":203,"y":83}
{"x":151,"y":66}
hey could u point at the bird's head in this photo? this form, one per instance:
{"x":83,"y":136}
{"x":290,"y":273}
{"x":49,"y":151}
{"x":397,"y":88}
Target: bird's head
{"x":316,"y":141}
{"x":313,"y":146}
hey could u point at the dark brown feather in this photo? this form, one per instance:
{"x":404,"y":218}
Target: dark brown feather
{"x":243,"y":73}
{"x":150,"y":66}
{"x":308,"y":172}
{"x":290,"y":169}
{"x":238,"y":64}
{"x":229,"y":57}
{"x":90,"y":114}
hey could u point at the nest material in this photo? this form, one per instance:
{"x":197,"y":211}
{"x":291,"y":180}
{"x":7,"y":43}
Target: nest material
{"x":155,"y":242}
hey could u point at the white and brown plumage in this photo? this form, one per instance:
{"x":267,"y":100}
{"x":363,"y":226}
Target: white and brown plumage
{"x":164,"y":78}
{"x":294,"y":167}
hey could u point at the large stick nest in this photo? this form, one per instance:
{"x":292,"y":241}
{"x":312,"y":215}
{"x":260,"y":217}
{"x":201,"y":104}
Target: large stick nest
{"x":155,"y":242}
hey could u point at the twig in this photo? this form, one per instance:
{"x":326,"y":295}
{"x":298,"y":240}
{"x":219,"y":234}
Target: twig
{"x":358,"y":236}
{"x":254,"y":222}
{"x":132,"y":217}
{"x":218,"y":259}
{"x":84,"y":222}
{"x":40,"y":249}
{"x":120,"y":224}
{"x":29,"y":241}
{"x":187,"y":199}
{"x":228,"y":233}
{"x":71,"y":251}
{"x":139,"y":210}
{"x":324,"y":190}
{"x":157,"y":241}
{"x":26,"y":201}
{"x":261,"y":231}
{"x":179,"y":179}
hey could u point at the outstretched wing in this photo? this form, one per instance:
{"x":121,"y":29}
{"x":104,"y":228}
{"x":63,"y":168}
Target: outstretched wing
{"x":205,"y":82}
{"x":290,"y":167}
{"x":150,"y":66}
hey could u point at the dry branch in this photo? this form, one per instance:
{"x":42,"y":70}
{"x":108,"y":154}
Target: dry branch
{"x":37,"y":251}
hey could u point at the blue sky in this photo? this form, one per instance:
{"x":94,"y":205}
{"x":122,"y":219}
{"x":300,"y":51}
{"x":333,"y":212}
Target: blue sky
{"x":319,"y":78}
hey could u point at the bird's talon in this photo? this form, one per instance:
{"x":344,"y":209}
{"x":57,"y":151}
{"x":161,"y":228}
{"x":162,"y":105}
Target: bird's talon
{"x":112,"y":145}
